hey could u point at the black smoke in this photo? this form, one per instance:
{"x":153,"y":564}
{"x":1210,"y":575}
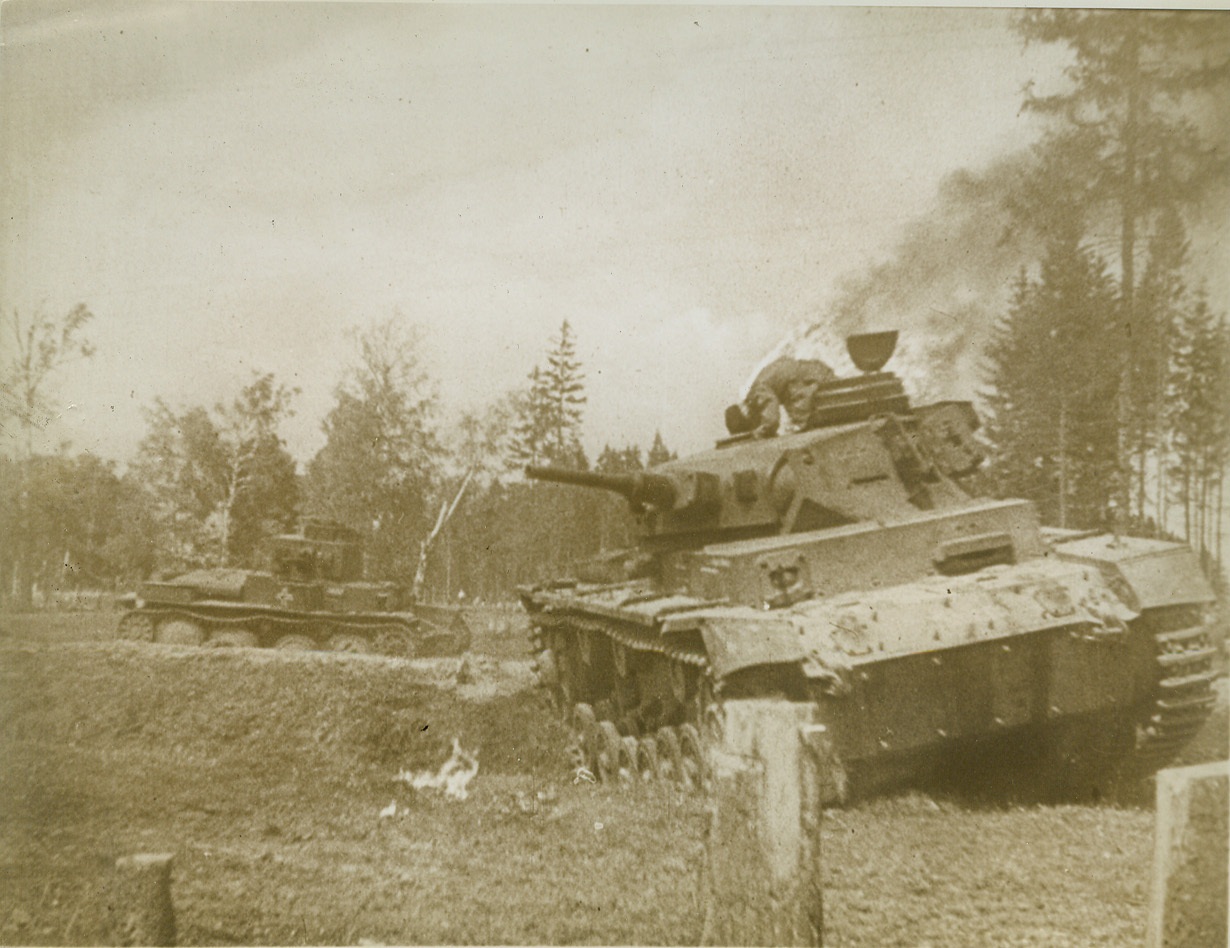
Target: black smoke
{"x":947,"y":282}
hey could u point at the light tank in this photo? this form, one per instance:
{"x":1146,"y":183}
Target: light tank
{"x":844,"y":565}
{"x":312,"y":596}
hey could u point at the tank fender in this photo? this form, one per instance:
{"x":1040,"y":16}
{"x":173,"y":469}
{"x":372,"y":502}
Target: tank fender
{"x":736,"y":639}
{"x":224,"y":584}
{"x":941,"y":613}
{"x":1147,"y":574}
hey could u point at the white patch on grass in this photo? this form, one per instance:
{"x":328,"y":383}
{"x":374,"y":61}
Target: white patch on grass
{"x":453,"y":777}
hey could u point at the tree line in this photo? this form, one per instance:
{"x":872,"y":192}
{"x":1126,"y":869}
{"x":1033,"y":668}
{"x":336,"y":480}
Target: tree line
{"x":209,"y":484}
{"x":1107,"y":385}
{"x":1109,"y":376}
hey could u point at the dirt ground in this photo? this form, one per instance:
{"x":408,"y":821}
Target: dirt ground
{"x":267,"y":773}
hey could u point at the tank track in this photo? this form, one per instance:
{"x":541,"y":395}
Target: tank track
{"x":399,"y":639}
{"x":606,"y":751}
{"x":1181,"y":700}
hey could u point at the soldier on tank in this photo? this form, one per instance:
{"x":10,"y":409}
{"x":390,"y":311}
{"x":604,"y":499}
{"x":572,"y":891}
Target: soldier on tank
{"x":783,"y":383}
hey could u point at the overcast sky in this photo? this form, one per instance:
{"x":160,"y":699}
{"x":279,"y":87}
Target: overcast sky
{"x":230,"y":187}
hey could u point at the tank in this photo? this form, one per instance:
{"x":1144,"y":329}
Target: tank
{"x":311,"y":596}
{"x":845,"y":565}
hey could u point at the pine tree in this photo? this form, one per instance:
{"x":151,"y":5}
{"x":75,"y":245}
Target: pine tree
{"x":554,"y":524}
{"x":615,"y":526}
{"x":1052,"y":405}
{"x":1199,"y":416}
{"x":619,"y":461}
{"x":1160,"y":301}
{"x":549,"y":413}
{"x":1120,"y":145}
{"x":531,"y":408}
{"x":659,"y":453}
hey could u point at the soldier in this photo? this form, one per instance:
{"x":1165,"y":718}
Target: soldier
{"x":785,"y":382}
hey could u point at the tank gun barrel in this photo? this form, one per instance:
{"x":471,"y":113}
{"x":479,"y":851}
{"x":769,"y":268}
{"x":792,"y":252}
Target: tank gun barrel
{"x":641,"y":487}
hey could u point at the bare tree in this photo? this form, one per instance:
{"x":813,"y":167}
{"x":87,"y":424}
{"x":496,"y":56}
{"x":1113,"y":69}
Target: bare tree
{"x":37,"y":347}
{"x":41,"y":345}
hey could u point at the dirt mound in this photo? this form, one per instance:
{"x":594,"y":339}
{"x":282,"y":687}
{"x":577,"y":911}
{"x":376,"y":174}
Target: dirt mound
{"x":274,"y":706}
{"x":268,"y":773}
{"x":500,"y":632}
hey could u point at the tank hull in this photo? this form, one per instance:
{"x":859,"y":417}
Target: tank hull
{"x":844,"y":564}
{"x":242,"y":608}
{"x":1086,"y":663}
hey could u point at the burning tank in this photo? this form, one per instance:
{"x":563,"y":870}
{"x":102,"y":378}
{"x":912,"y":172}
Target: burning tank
{"x":844,"y":565}
{"x":312,"y":596}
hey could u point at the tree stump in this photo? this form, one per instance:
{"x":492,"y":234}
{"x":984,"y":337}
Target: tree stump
{"x":1191,"y":850}
{"x":763,"y":878}
{"x":140,"y":904}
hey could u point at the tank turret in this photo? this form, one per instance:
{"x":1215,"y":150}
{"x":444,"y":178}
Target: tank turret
{"x":845,"y":564}
{"x":863,"y":455}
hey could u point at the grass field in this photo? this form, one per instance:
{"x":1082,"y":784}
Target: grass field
{"x":266,"y":774}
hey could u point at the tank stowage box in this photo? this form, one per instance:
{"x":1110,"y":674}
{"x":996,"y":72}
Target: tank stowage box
{"x":844,"y":565}
{"x":312,"y":596}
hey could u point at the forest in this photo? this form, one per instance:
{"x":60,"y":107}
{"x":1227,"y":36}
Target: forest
{"x":1105,"y":390}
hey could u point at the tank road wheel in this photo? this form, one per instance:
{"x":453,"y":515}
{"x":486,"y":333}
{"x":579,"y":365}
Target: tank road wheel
{"x":583,"y":718}
{"x":583,"y":724}
{"x":295,"y":643}
{"x":546,"y":672}
{"x":232,"y":638}
{"x":713,"y":723}
{"x":610,"y":747}
{"x":547,"y":676}
{"x":348,"y":642}
{"x":694,"y":775}
{"x":567,"y":667}
{"x":179,"y":632}
{"x":136,"y":627}
{"x":647,"y":762}
{"x":703,"y":702}
{"x":395,"y":642}
{"x":628,"y":756}
{"x":670,"y":757}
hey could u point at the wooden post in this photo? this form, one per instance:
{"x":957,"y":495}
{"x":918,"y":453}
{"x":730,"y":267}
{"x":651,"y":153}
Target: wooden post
{"x":768,"y":762}
{"x":1188,"y":904}
{"x":140,"y":906}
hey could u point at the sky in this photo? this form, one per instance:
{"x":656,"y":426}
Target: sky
{"x":237,"y":187}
